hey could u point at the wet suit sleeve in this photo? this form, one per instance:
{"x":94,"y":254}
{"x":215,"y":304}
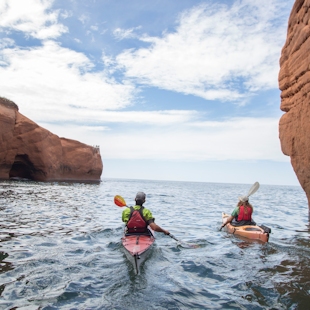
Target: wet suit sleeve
{"x":125,"y":215}
{"x":148,"y":216}
{"x":235,"y":212}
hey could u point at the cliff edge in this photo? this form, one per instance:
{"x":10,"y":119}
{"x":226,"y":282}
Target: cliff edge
{"x":294,"y":83}
{"x":32,"y":152}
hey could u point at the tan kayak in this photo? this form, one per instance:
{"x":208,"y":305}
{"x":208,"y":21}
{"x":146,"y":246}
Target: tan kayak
{"x":247,"y":231}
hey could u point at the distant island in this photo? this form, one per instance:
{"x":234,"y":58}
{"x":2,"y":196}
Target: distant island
{"x":28,"y":151}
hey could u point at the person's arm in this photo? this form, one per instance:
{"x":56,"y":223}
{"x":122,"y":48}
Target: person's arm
{"x":228,"y":220}
{"x":125,"y":215}
{"x":231,"y":217}
{"x":157,"y":228}
{"x":151,"y":222}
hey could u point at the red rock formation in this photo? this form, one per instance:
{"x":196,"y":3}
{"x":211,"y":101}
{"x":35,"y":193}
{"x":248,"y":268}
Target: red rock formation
{"x":30,"y":151}
{"x":294,"y":82}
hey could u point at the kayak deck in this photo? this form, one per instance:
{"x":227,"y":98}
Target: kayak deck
{"x":249,"y":231}
{"x":137,"y":244}
{"x":137,"y":248}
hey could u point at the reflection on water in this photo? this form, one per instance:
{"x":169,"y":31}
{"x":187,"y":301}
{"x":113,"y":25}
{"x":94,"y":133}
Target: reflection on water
{"x":60,"y":248}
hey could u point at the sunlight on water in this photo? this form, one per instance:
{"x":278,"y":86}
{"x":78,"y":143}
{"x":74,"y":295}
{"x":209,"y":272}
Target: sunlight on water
{"x":60,"y":248}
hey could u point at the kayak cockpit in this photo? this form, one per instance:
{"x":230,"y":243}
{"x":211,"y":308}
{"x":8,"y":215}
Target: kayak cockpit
{"x":252,"y":229}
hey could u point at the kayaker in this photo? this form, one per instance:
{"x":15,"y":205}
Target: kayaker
{"x":137,"y":223}
{"x":242,"y":214}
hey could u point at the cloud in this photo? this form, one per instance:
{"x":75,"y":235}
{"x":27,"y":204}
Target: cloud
{"x":6,"y":42}
{"x":157,"y":118}
{"x":94,"y":27}
{"x":33,"y":17}
{"x":95,"y":128}
{"x":233,"y":139}
{"x":84,"y":18}
{"x":121,"y":34}
{"x":47,"y":79}
{"x":85,"y":115}
{"x":216,"y":51}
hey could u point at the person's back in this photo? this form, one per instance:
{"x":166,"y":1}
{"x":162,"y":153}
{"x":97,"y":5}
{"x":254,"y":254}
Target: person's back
{"x":242,"y":214}
{"x":138,"y":218}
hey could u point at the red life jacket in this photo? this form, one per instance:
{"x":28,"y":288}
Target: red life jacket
{"x":244,"y":216}
{"x":136,"y":222}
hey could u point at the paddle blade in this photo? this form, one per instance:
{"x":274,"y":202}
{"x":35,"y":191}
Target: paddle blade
{"x":253,"y":189}
{"x":119,"y":201}
{"x":184,"y":244}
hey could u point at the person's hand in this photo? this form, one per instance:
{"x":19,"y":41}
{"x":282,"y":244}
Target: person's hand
{"x":166,"y":232}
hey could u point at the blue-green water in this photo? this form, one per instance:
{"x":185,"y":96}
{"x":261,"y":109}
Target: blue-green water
{"x":60,"y":248}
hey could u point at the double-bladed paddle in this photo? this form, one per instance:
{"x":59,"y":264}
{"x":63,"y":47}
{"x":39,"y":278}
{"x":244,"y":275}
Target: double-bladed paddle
{"x":252,"y":190}
{"x":120,"y":201}
{"x":184,"y":244}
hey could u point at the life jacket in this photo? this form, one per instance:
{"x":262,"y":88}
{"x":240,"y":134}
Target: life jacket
{"x":136,"y":222}
{"x":244,"y":216}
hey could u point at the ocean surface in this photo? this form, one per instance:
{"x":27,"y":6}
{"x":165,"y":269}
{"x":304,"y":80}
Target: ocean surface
{"x":60,"y":248}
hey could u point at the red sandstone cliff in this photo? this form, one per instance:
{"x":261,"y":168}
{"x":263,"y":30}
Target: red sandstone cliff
{"x":294,"y":82}
{"x":30,"y":151}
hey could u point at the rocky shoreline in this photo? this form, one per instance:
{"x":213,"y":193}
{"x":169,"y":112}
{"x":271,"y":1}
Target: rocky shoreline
{"x":28,"y":151}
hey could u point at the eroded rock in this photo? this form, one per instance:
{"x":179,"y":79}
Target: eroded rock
{"x":32,"y":152}
{"x":294,"y":83}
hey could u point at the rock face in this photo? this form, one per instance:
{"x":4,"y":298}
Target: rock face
{"x":294,"y":82}
{"x":30,"y":151}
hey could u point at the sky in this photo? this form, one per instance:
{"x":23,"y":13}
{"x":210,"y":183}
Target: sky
{"x":179,"y":90}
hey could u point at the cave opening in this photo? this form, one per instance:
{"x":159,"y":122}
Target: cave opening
{"x":22,"y":168}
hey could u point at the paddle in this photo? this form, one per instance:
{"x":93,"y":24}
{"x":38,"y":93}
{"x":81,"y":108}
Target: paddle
{"x":120,"y":202}
{"x":252,"y":190}
{"x":184,"y":244}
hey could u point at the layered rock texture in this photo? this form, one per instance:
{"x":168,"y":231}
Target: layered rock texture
{"x":294,"y":82}
{"x":32,"y":152}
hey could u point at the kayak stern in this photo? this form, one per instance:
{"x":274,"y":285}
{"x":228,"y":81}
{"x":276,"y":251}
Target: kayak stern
{"x":137,"y":248}
{"x":248,"y":231}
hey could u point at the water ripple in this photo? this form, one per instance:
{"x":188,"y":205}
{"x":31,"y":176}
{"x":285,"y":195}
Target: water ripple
{"x":60,"y":248}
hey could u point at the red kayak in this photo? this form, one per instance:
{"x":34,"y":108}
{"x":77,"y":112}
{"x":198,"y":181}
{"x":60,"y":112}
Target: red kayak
{"x":137,"y":248}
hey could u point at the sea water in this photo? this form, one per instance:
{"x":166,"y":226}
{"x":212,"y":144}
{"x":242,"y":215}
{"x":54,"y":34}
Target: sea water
{"x":60,"y":248}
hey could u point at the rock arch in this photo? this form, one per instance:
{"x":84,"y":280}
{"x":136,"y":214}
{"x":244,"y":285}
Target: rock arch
{"x":22,"y":168}
{"x":32,"y":152}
